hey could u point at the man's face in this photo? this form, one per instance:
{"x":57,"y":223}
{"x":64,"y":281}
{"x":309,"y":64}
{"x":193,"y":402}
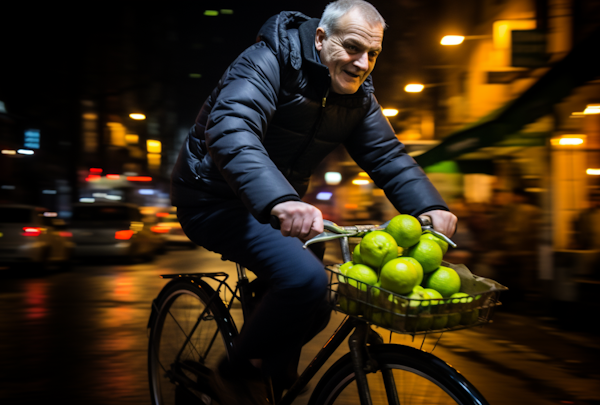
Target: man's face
{"x":351,"y":53}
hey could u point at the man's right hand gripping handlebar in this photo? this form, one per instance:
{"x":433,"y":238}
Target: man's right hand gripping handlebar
{"x":297,"y":219}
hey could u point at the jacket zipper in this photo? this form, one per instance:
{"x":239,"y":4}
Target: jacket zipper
{"x":313,"y":132}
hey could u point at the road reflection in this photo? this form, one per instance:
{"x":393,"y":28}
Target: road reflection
{"x":36,"y":300}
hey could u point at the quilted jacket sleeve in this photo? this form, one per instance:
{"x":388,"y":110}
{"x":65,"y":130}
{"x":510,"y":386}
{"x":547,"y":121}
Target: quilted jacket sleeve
{"x":375,"y":148}
{"x":239,"y":119}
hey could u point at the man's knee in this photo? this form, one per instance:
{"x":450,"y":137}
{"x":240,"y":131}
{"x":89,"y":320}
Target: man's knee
{"x":308,"y":284}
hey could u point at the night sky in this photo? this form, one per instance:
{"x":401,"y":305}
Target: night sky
{"x":56,"y":52}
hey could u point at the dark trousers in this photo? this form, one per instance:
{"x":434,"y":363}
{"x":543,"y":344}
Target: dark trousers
{"x":294,"y":308}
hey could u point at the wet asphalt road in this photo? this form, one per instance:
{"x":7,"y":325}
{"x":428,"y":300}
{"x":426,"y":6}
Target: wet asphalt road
{"x":79,"y":337}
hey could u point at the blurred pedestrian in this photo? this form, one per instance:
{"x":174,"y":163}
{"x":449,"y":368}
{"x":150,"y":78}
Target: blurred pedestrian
{"x":280,"y":108}
{"x":514,"y":234}
{"x":587,"y":225}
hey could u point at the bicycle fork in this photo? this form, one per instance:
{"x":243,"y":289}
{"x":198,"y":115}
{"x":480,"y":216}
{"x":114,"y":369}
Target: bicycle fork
{"x":363,"y":364}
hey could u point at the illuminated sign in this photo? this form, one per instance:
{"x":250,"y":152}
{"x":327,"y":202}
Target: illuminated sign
{"x":32,"y":139}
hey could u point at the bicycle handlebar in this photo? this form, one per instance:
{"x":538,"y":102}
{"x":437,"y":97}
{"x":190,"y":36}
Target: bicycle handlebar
{"x":334,"y":231}
{"x":337,"y":231}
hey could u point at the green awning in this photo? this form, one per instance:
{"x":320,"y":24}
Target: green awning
{"x":581,"y":65}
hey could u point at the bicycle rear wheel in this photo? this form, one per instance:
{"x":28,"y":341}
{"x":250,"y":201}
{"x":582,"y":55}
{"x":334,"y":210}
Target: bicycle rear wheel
{"x":418,"y":378}
{"x":191,"y":331}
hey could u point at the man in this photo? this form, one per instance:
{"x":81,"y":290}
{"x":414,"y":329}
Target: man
{"x":280,"y":108}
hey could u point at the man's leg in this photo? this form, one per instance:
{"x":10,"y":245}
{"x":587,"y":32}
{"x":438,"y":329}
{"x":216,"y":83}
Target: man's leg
{"x":286,"y":315}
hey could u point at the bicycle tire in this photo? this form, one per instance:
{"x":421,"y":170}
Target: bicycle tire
{"x":181,"y":357}
{"x":419,"y":377}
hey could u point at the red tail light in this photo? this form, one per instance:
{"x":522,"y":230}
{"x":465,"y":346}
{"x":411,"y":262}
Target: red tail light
{"x":65,"y":234}
{"x":32,"y":231}
{"x":124,"y":235}
{"x":160,"y":229}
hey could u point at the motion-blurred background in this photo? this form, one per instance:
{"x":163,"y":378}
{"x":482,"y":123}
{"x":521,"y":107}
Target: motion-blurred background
{"x":96,"y":99}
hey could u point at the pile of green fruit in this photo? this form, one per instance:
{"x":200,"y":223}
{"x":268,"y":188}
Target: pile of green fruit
{"x":399,"y":281}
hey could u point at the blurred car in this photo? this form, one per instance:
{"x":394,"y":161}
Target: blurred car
{"x":30,"y":234}
{"x":164,"y":223}
{"x":114,"y":230}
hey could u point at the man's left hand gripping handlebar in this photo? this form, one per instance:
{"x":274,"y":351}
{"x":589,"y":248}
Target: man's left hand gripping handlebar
{"x":297,"y":219}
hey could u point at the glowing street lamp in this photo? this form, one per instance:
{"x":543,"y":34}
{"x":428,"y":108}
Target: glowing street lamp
{"x":390,"y":112}
{"x":414,"y":88}
{"x":452,"y":40}
{"x":137,"y":116}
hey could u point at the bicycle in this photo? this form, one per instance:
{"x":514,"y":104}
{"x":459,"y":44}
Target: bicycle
{"x":191,"y":329}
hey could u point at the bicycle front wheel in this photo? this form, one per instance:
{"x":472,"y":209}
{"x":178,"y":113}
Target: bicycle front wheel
{"x":404,"y":376}
{"x":191,"y":331}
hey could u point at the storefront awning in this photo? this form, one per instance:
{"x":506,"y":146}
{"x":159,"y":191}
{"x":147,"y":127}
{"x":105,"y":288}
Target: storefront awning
{"x":578,"y":67}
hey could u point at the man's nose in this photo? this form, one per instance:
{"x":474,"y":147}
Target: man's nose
{"x":362,"y":61}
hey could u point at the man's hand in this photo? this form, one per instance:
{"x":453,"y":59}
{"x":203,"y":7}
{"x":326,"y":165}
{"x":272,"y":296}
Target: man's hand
{"x":443,"y":221}
{"x":298,"y":219}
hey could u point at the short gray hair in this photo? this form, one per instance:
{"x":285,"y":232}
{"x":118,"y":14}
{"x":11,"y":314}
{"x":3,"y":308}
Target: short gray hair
{"x":336,"y":10}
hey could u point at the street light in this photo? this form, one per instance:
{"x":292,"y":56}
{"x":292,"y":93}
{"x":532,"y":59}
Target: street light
{"x":137,"y":116}
{"x":390,"y":112}
{"x":414,"y":88}
{"x":452,"y":40}
{"x":459,"y":39}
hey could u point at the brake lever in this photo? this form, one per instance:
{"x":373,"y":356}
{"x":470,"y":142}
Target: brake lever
{"x":338,"y":232}
{"x":325,"y":236}
{"x":427,"y":225}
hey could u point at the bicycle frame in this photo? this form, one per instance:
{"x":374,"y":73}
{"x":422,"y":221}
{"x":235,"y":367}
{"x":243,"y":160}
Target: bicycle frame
{"x":361,"y":360}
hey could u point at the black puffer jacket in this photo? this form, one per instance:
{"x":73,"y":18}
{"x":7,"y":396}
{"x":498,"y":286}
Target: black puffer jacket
{"x":271,"y":120}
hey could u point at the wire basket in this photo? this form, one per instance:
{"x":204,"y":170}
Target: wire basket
{"x":405,"y":315}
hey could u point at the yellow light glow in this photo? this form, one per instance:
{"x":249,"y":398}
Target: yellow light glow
{"x":414,"y":88}
{"x":9,"y":152}
{"x":153,"y":146}
{"x":390,"y":112}
{"x":137,"y":116}
{"x":360,"y":182}
{"x":452,"y":40}
{"x":592,"y":109}
{"x":568,"y":140}
{"x":132,"y":138}
{"x":90,"y":116}
{"x":154,"y":159}
{"x":502,"y":31}
{"x":363,"y":174}
{"x":593,"y":172}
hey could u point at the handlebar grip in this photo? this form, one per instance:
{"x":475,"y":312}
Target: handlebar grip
{"x":274,"y":221}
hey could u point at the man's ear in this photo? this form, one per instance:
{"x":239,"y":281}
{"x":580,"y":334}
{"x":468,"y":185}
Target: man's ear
{"x":319,"y":38}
